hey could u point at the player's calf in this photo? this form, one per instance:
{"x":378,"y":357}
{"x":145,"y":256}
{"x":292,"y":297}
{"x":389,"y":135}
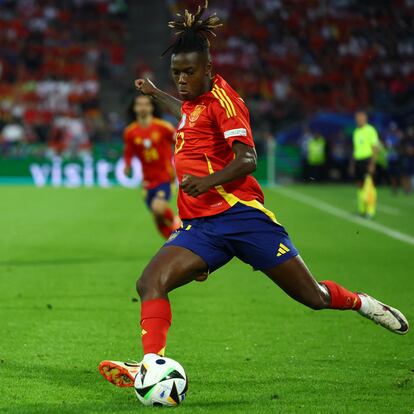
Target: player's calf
{"x":318,"y":299}
{"x":159,"y":206}
{"x":296,"y":280}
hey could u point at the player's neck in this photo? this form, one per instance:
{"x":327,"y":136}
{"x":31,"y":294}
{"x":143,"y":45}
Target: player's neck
{"x":144,"y":121}
{"x":208,"y":86}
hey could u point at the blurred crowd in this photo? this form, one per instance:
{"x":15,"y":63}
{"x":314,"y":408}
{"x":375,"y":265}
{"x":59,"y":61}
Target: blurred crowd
{"x":289,"y":59}
{"x":292,"y":58}
{"x":328,"y":157}
{"x":53,"y":58}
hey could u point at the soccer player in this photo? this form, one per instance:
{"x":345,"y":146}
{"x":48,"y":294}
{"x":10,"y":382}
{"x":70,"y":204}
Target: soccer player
{"x":151,"y":139}
{"x":366,"y":150}
{"x":221,"y":205}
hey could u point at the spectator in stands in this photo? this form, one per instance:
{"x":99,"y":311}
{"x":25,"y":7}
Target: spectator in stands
{"x":392,"y":140}
{"x":69,"y":137}
{"x":51,"y":58}
{"x":316,"y":151}
{"x":303,"y":143}
{"x":12,"y":135}
{"x":340,"y":156}
{"x":312,"y":55}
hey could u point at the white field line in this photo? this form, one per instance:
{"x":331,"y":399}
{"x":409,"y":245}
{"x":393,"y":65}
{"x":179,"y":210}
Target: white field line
{"x":343,"y":214}
{"x":393,"y":211}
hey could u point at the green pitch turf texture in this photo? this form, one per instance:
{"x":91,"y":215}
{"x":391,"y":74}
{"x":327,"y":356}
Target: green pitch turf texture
{"x":68,"y":264}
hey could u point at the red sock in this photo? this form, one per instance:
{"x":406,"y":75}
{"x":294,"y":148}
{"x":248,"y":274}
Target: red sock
{"x":168,"y":216}
{"x":164,"y":230}
{"x":155,"y":322}
{"x":166,"y":225}
{"x":341,"y":298}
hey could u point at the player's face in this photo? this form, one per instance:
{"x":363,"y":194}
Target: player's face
{"x":361,"y":118}
{"x":191,"y":73}
{"x":143,"y":107}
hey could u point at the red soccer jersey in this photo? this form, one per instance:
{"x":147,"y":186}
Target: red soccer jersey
{"x":152,"y":145}
{"x":208,"y":128}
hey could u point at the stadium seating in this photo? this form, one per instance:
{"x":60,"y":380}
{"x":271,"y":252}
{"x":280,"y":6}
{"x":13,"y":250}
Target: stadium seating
{"x":291,"y":59}
{"x":53,"y":58}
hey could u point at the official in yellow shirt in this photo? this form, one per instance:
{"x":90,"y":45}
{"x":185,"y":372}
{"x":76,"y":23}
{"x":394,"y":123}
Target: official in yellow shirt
{"x":365,"y":154}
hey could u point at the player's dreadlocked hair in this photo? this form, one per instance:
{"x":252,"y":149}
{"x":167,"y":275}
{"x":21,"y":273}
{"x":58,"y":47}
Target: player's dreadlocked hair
{"x":193,"y":32}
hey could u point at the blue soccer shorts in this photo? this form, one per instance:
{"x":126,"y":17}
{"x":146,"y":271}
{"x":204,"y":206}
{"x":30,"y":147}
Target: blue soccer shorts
{"x":243,"y":232}
{"x":161,"y":191}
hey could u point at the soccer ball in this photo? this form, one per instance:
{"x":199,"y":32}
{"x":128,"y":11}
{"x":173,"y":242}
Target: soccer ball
{"x":161,"y":382}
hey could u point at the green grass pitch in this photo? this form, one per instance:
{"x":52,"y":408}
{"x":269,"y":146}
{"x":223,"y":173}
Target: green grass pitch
{"x":69,"y":260}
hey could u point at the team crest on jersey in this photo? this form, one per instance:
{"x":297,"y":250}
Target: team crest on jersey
{"x":196,"y":113}
{"x":138,"y":140}
{"x":155,"y":136}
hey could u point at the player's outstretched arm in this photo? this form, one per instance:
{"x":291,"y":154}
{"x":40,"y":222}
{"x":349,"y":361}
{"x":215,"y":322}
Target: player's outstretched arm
{"x":148,"y":88}
{"x":244,"y":163}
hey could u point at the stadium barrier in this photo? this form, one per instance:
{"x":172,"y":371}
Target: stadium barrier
{"x":57,"y":172}
{"x":105,"y":170}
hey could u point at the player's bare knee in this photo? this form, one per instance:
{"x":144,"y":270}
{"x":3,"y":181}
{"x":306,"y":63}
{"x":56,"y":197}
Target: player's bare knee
{"x":158,"y":207}
{"x":152,"y":284}
{"x":141,"y":287}
{"x":148,"y":288}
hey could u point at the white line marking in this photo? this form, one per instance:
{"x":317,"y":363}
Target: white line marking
{"x":393,"y":211}
{"x":335,"y":211}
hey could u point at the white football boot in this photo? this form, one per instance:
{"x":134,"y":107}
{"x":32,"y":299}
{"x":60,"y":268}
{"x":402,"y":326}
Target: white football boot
{"x":121,"y":374}
{"x":384,"y":315}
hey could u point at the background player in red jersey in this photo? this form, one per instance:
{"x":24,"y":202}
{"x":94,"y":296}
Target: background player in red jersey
{"x":221,"y":205}
{"x":150,"y":139}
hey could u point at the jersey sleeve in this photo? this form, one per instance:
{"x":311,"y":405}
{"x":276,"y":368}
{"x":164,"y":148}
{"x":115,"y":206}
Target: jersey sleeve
{"x":128,"y":149}
{"x":169,"y":133}
{"x":233,"y":121}
{"x":169,"y":127}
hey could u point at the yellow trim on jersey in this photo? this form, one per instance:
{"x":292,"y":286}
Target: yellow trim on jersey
{"x":226,"y":98}
{"x":130,"y":126}
{"x":163,"y":123}
{"x":222,"y":103}
{"x":231,"y":199}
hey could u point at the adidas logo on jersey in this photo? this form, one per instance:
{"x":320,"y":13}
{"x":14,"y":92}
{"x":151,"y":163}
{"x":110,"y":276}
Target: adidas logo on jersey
{"x":282,"y":250}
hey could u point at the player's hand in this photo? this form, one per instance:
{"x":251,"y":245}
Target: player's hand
{"x":371,"y":169}
{"x":194,"y":186}
{"x":145,"y":86}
